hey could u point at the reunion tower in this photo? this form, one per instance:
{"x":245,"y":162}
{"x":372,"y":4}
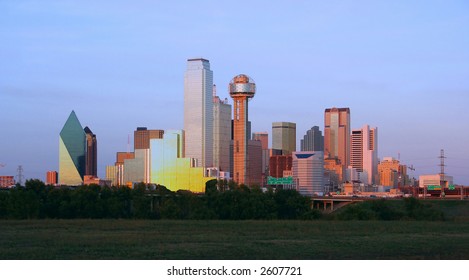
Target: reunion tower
{"x":242,"y":88}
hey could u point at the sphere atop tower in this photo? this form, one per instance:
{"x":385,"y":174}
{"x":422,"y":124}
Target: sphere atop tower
{"x":242,"y":85}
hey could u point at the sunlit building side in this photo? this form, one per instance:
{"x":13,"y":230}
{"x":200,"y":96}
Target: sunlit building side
{"x":284,"y":137}
{"x":169,"y":167}
{"x":72,"y":152}
{"x":198,"y":111}
{"x":308,"y":172}
{"x":337,"y":134}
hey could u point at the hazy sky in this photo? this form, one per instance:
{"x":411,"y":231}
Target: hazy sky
{"x":402,"y":66}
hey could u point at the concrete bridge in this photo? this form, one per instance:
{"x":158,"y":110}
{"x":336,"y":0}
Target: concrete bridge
{"x":331,"y":204}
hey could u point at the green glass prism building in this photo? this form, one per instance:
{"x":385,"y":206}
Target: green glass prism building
{"x":72,"y":152}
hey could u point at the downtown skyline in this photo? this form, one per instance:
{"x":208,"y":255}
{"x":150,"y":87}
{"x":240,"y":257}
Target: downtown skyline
{"x":406,"y":74}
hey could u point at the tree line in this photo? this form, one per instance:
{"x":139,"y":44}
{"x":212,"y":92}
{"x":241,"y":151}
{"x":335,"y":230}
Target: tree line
{"x":223,"y":201}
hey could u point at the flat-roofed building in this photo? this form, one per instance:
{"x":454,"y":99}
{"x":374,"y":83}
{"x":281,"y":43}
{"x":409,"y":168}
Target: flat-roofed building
{"x":52,"y":177}
{"x":284,"y":137}
{"x":308,"y":172}
{"x":337,"y":134}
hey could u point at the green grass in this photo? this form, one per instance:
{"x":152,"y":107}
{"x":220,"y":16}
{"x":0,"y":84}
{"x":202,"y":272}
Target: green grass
{"x":164,"y":239}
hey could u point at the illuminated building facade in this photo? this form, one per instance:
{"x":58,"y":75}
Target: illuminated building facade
{"x":337,"y":134}
{"x":72,"y":152}
{"x":284,"y":137}
{"x":308,"y":172}
{"x":111,"y":174}
{"x":7,"y":181}
{"x":52,"y":177}
{"x":198,"y":112}
{"x":142,"y":137}
{"x":364,"y":154}
{"x":242,"y":88}
{"x":391,"y":173}
{"x":169,"y":167}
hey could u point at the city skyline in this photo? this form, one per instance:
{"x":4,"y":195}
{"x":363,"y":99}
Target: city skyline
{"x":401,"y":67}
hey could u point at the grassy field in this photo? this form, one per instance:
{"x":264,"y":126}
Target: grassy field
{"x":163,"y":239}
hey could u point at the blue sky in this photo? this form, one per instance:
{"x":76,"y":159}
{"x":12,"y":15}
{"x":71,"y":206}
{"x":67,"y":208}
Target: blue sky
{"x":402,"y":66}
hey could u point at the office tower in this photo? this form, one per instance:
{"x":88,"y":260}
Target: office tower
{"x":111,"y":174}
{"x":91,"y":167}
{"x":170,"y":169}
{"x":364,"y":153}
{"x":392,"y":173}
{"x":137,"y":169}
{"x":334,"y":171}
{"x":242,"y":88}
{"x":52,"y":177}
{"x":308,"y":172}
{"x":221,"y":133}
{"x":198,"y":112}
{"x":142,"y":137}
{"x":7,"y":181}
{"x":284,"y":137}
{"x":278,"y":164}
{"x":121,"y":157}
{"x":72,"y":152}
{"x":337,"y":134}
{"x":313,"y":140}
{"x":254,"y":163}
{"x":264,"y":138}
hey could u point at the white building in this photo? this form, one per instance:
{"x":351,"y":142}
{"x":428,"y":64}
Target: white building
{"x":308,"y":172}
{"x":434,"y":180}
{"x":364,"y":153}
{"x":198,"y":112}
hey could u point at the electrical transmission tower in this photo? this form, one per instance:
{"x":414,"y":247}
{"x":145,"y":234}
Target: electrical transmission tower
{"x":442,"y":172}
{"x":20,"y":175}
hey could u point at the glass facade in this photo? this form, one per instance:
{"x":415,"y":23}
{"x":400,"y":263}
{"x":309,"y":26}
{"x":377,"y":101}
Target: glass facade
{"x":170,"y":169}
{"x":221,"y":134}
{"x":337,"y":134}
{"x":198,"y":112}
{"x":284,"y":137}
{"x":72,"y":152}
{"x":313,"y":140}
{"x":308,"y":172}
